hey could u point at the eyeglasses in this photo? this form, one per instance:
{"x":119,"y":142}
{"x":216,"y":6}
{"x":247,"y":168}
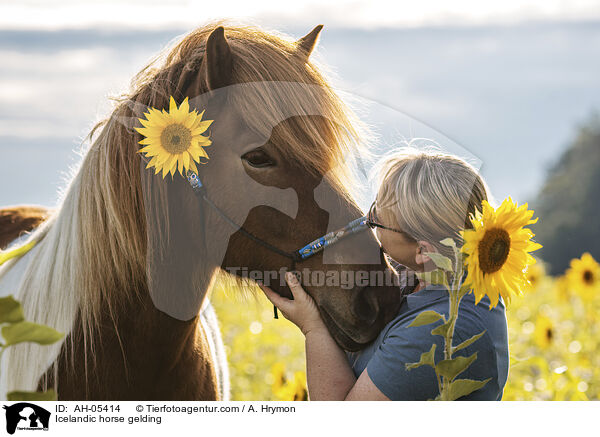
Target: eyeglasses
{"x":372,"y":222}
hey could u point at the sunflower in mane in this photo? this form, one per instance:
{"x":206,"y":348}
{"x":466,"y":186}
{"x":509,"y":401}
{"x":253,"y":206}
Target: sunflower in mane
{"x":173,"y":139}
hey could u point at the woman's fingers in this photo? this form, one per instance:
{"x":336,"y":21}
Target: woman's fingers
{"x":302,"y":310}
{"x":279,"y":301}
{"x":300,"y":297}
{"x":295,"y":287}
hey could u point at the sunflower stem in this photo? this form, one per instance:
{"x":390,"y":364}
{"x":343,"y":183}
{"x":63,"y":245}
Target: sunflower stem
{"x":455,"y":299}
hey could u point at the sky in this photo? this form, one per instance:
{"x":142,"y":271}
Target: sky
{"x":504,"y":85}
{"x":60,"y":14}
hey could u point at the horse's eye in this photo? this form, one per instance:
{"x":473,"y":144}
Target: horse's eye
{"x":258,"y":159}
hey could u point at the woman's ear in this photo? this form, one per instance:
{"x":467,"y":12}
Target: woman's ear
{"x":424,"y":247}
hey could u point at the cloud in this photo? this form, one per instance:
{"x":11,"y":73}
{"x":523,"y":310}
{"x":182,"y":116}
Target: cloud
{"x":510,"y":95}
{"x":62,"y":14}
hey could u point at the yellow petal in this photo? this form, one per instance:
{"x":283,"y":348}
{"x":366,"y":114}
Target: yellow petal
{"x":152,"y":162}
{"x":197,"y":153}
{"x":151,"y":122}
{"x":170,"y":162}
{"x":152,"y":149}
{"x":163,"y":157}
{"x":201,"y":127}
{"x":149,"y":141}
{"x":185,"y":106}
{"x":180,"y":164}
{"x":190,"y":120}
{"x":143,"y":130}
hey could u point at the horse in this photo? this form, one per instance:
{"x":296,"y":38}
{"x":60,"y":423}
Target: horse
{"x":17,"y":221}
{"x":124,"y":265}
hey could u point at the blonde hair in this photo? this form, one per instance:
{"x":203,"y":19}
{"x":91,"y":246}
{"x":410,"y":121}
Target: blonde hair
{"x":429,"y":194}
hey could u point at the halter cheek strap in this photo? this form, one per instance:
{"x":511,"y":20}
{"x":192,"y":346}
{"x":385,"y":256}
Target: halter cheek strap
{"x":200,"y":191}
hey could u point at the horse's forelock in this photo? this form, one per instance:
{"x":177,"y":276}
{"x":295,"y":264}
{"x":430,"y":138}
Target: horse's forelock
{"x":281,"y":78}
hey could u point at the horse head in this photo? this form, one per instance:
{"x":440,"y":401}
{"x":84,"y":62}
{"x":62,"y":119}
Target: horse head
{"x":276,"y":170}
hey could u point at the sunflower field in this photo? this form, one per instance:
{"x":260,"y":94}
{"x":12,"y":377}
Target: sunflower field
{"x":554,"y":335}
{"x":266,"y":355}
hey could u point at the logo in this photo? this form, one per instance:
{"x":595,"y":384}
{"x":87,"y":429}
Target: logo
{"x":26,"y":416}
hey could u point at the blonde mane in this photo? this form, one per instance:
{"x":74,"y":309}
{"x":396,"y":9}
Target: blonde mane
{"x":91,"y":254}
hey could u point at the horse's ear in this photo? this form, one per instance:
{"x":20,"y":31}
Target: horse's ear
{"x":306,"y":44}
{"x":218,"y":60}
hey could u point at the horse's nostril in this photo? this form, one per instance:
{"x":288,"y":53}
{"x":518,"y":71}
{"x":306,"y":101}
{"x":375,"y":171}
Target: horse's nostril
{"x":365,"y":306}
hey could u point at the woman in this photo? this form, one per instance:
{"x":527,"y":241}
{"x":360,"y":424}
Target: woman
{"x":423,"y":197}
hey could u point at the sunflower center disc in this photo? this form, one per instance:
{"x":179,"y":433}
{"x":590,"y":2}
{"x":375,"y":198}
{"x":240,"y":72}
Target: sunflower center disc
{"x":176,"y":138}
{"x":588,"y":277}
{"x":493,"y":250}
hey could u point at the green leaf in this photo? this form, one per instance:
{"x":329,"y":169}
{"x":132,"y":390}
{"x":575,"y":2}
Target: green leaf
{"x":448,"y":242}
{"x":454,"y":367}
{"x":427,"y":359}
{"x":437,"y":276}
{"x":464,"y":289}
{"x":29,"y":331}
{"x":10,"y":310}
{"x":468,"y":342}
{"x":425,"y":318}
{"x":49,"y":395}
{"x":463,"y":387}
{"x":442,"y":329}
{"x":440,"y":260}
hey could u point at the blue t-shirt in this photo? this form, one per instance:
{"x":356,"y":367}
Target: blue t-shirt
{"x":397,"y":344}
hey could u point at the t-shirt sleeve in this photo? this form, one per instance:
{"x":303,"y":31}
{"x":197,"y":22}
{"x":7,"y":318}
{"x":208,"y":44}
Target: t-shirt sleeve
{"x":402,"y":345}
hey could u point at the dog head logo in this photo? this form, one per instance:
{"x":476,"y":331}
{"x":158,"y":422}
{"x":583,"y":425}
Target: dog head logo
{"x":26,"y":416}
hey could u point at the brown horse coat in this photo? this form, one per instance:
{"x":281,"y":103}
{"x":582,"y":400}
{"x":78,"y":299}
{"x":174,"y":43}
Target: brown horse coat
{"x":16,"y":221}
{"x":145,"y":381}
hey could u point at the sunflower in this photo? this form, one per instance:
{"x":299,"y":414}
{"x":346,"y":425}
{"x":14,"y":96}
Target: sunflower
{"x":497,"y":250}
{"x":584,"y":275}
{"x":300,"y":390}
{"x":279,"y":379}
{"x":288,"y":390}
{"x":562,"y":289}
{"x":173,"y":139}
{"x":544,"y":332}
{"x":535,"y":275}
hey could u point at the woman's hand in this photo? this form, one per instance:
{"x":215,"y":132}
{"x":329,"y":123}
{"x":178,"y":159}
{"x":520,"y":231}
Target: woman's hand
{"x":301,"y":311}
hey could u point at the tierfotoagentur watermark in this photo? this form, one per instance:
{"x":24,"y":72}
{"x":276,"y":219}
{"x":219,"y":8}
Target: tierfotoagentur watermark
{"x":345,"y":279}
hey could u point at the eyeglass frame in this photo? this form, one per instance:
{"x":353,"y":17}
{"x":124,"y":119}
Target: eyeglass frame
{"x":372,"y":216}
